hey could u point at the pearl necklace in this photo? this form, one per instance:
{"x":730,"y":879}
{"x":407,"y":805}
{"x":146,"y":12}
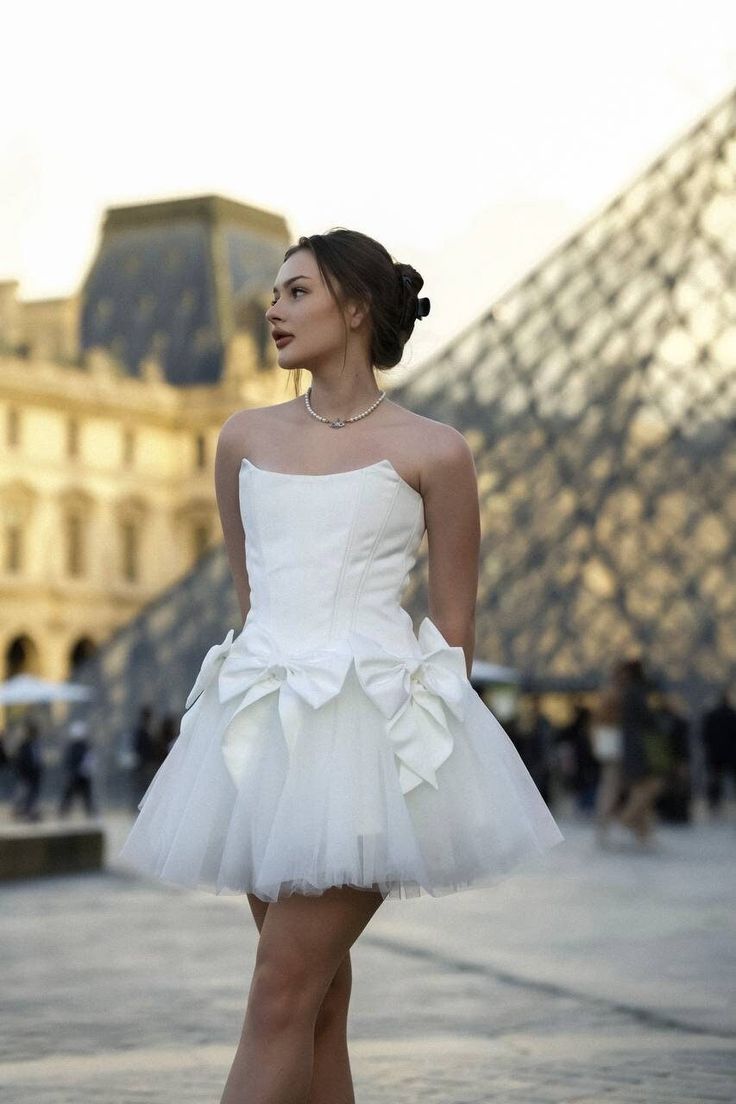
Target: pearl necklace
{"x":338,"y":423}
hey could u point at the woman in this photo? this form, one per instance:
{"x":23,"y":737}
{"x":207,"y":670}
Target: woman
{"x":641,"y":771}
{"x":330,"y":758}
{"x":608,"y":750}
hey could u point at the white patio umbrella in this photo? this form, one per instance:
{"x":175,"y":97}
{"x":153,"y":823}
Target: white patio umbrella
{"x":31,"y":690}
{"x":493,"y":672}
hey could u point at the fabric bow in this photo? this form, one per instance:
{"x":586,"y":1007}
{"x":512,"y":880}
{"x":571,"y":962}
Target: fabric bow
{"x":211,"y":664}
{"x":256,"y":666}
{"x":412,"y":693}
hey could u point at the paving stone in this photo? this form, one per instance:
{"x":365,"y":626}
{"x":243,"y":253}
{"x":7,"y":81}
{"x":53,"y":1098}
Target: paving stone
{"x":119,"y":989}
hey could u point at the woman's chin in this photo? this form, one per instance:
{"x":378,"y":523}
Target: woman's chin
{"x":286,"y":359}
{"x":286,"y":362}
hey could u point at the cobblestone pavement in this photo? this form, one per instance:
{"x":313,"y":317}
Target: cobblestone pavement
{"x":592,"y":976}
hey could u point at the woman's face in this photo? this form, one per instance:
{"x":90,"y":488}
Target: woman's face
{"x":303,"y":307}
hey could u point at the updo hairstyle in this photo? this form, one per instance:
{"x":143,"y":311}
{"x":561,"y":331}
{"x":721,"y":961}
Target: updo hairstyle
{"x":367,"y":273}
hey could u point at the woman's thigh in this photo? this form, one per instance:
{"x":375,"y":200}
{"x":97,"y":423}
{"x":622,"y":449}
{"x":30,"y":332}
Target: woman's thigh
{"x":338,"y":994}
{"x":258,"y":908}
{"x":305,"y":938}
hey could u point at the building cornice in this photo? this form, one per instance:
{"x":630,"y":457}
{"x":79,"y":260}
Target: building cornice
{"x":99,"y":392}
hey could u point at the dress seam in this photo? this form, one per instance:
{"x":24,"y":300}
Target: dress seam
{"x":369,"y":558}
{"x":409,"y":566}
{"x":345,"y":558}
{"x":412,"y":535}
{"x":259,"y":544}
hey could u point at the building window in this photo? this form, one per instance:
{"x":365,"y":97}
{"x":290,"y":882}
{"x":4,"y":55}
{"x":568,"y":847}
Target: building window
{"x":128,"y":447}
{"x":201,"y":449}
{"x":72,"y":437}
{"x":130,"y":542}
{"x":13,"y":427}
{"x":201,"y":539}
{"x":74,"y":550}
{"x":21,"y":657}
{"x":13,"y":549}
{"x":84,"y":648}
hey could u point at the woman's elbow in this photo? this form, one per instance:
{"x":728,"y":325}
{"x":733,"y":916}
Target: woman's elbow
{"x":459,"y":633}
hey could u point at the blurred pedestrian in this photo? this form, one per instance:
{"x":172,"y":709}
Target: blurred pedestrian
{"x":583,"y":777}
{"x":534,"y":739}
{"x":28,"y":763}
{"x":673,"y":803}
{"x":607,"y":748}
{"x":7,"y":770}
{"x":168,"y":730}
{"x":79,"y":767}
{"x":644,"y":759}
{"x":719,"y":745}
{"x":143,"y":744}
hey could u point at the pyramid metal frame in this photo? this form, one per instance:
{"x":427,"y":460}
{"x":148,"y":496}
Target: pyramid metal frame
{"x":599,"y":397}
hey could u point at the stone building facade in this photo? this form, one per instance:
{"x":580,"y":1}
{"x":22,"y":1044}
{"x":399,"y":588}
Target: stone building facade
{"x":110,"y":406}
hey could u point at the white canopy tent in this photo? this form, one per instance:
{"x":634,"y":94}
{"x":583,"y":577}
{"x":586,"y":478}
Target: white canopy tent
{"x":32,"y":690}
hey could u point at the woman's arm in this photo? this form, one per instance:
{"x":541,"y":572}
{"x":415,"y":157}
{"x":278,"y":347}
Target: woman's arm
{"x":452,"y":517}
{"x":231,"y":448}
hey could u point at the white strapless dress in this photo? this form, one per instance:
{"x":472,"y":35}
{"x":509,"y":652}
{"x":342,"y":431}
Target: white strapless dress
{"x":326,"y":744}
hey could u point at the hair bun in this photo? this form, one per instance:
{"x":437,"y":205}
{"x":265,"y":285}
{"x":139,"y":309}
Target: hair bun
{"x":412,"y":308}
{"x":356,"y":267}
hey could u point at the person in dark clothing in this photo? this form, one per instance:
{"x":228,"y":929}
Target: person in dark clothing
{"x":79,"y":763}
{"x":143,"y":744}
{"x":607,"y":749}
{"x":584,"y":777}
{"x":168,"y":730}
{"x":673,"y":802}
{"x":719,"y":743}
{"x":29,"y":769}
{"x":533,"y":737}
{"x":641,"y":769}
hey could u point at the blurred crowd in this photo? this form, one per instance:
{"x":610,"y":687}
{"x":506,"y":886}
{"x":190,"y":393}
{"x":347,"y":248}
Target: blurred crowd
{"x":138,"y":756}
{"x":628,"y":759}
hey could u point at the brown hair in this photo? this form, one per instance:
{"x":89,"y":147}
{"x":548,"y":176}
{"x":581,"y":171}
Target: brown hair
{"x":366,"y":272}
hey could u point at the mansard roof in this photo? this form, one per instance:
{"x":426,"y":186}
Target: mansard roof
{"x":174,"y":279}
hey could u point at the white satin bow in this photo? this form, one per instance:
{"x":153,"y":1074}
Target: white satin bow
{"x":256,"y":666}
{"x":412,"y":693}
{"x":211,"y":664}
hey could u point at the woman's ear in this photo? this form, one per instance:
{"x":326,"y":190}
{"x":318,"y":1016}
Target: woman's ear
{"x":356,"y":312}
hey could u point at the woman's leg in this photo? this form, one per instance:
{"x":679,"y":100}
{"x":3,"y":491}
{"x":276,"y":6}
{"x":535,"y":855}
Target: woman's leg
{"x":609,"y":786}
{"x":638,"y":813}
{"x":332,"y":1081}
{"x":303,"y":941}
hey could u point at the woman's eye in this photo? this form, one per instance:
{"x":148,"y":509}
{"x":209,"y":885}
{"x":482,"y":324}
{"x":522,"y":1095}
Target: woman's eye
{"x":293,"y":289}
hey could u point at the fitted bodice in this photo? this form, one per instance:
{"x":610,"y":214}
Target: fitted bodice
{"x":329,"y":554}
{"x":327,"y":558}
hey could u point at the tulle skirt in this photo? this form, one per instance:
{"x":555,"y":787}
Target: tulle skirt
{"x":237,"y":808}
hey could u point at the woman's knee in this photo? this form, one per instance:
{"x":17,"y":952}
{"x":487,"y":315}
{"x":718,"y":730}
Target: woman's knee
{"x":281,"y":993}
{"x":334,"y":1006}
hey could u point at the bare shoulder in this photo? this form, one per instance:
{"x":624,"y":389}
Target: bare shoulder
{"x":442,"y":456}
{"x":239,"y":431}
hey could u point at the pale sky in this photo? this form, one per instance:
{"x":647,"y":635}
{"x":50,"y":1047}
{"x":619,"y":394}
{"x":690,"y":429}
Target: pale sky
{"x":469,"y":140}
